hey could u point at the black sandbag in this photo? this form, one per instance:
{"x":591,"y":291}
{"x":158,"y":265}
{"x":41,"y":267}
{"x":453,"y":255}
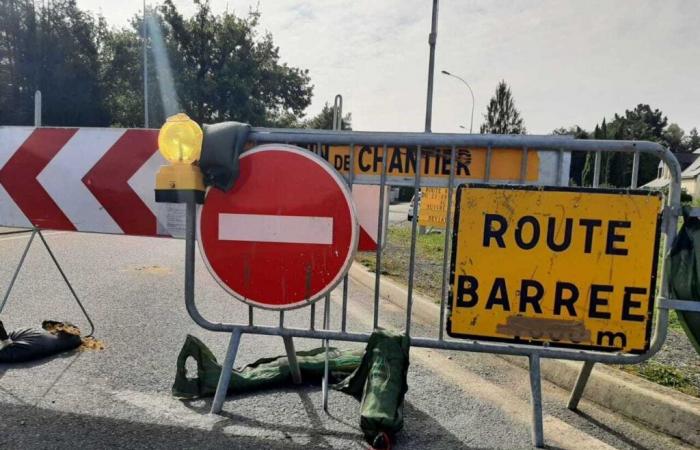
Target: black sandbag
{"x":29,"y":344}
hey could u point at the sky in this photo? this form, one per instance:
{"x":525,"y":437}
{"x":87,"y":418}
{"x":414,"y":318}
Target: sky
{"x":567,"y":62}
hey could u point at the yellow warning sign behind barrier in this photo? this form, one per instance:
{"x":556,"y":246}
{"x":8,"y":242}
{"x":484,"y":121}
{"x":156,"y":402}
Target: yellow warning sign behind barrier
{"x":433,"y":207}
{"x":566,"y":267}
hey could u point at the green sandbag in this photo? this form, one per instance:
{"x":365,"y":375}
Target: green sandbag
{"x":263,"y":373}
{"x":377,"y":378}
{"x":684,"y":274}
{"x":380,"y":383}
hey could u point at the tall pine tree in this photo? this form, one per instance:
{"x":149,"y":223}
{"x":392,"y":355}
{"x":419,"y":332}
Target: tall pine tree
{"x":501,"y":115}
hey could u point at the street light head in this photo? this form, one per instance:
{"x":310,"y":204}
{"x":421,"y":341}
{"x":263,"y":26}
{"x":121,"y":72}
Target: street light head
{"x":471,"y":120}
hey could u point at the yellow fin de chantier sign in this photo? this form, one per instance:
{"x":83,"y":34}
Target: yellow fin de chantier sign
{"x":563,"y":266}
{"x":470,"y":163}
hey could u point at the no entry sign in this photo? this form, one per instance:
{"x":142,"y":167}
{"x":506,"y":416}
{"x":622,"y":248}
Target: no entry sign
{"x":285,"y":234}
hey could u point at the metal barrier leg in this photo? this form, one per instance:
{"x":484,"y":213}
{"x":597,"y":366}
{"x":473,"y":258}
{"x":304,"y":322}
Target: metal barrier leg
{"x":292,"y":357}
{"x":19,"y":267}
{"x":35,"y":232}
{"x":326,"y":345}
{"x":536,"y":391}
{"x":65,"y":279}
{"x":226,"y":369}
{"x":325,"y":380}
{"x":580,"y":385}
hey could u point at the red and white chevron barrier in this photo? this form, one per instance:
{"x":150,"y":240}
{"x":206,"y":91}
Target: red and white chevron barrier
{"x":101,"y":180}
{"x":80,"y":179}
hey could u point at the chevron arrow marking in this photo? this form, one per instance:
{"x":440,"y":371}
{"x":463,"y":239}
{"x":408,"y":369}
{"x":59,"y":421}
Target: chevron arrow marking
{"x":62,"y":179}
{"x":19,"y":177}
{"x":11,"y":138}
{"x":108,"y":181}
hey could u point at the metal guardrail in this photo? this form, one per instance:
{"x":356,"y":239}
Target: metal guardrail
{"x":419,"y":143}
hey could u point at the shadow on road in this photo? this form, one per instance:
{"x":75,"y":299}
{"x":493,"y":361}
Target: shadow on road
{"x":420,"y":429}
{"x":29,"y":427}
{"x":74,"y":355}
{"x":632,"y":443}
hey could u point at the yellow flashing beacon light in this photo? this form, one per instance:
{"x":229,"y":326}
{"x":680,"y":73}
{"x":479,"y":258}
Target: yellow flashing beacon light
{"x":180,"y":142}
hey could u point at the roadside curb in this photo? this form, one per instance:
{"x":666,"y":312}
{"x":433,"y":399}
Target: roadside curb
{"x":665,"y":409}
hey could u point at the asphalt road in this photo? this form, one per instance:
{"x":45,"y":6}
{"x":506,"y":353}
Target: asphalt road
{"x":398,"y":212}
{"x":120,"y":397}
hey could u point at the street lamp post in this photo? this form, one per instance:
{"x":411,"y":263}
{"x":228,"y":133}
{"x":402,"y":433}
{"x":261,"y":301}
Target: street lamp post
{"x":145,"y":68}
{"x":471,"y":126}
{"x":432,"y":40}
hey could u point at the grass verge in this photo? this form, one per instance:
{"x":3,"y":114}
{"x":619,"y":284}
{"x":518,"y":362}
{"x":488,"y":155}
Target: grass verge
{"x":665,"y":375}
{"x":396,"y":256}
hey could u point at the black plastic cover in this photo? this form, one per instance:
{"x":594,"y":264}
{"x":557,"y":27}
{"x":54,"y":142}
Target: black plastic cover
{"x":222,"y":145}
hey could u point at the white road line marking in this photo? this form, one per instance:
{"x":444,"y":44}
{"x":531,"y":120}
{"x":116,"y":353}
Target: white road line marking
{"x":280,"y":229}
{"x":12,"y":237}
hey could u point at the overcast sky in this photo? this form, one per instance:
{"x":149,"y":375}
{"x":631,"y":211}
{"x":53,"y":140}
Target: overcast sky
{"x":567,"y":62}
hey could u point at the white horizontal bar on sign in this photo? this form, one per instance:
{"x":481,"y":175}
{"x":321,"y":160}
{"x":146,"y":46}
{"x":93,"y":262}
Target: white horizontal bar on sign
{"x":280,"y":229}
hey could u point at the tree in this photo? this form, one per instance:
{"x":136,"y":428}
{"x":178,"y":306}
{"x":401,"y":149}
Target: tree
{"x":640,"y":123}
{"x":17,"y":80}
{"x":225,"y":70}
{"x":120,"y":59}
{"x":574,"y":131}
{"x":692,"y":140}
{"x":89,"y":74}
{"x":53,"y":49}
{"x":674,"y":137}
{"x":501,"y":115}
{"x":69,"y":74}
{"x":324,"y":120}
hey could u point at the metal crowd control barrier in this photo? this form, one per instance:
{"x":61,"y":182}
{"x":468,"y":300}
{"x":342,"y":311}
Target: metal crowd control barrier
{"x":419,"y":143}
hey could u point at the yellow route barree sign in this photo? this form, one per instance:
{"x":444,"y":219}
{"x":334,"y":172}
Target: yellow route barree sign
{"x":563,"y":266}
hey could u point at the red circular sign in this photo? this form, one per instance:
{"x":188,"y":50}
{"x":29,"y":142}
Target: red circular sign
{"x":285,"y":234}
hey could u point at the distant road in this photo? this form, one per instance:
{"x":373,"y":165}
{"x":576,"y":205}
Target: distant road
{"x":398,"y":212}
